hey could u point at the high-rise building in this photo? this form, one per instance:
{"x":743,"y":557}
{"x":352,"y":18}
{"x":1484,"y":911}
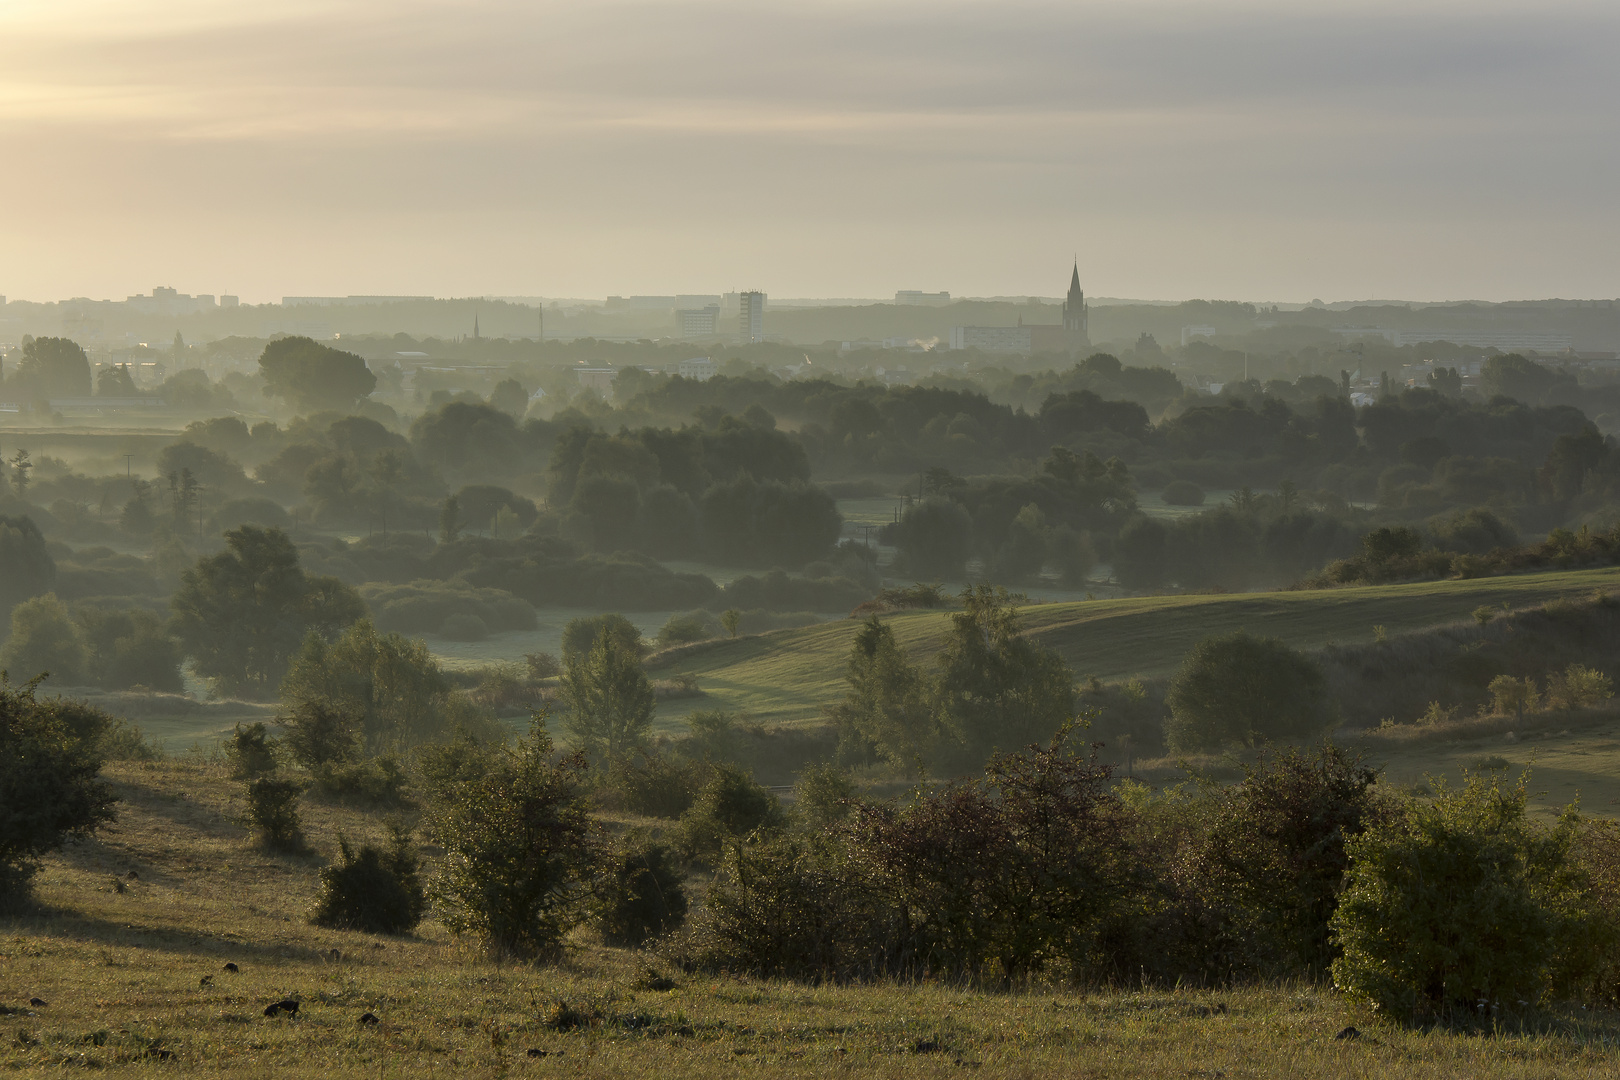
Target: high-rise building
{"x":698,"y":322}
{"x":750,"y":317}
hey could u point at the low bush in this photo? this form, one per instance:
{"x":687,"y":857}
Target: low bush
{"x":520,"y":851}
{"x":1579,"y":687}
{"x":273,"y":812}
{"x":374,"y":890}
{"x":644,"y":897}
{"x":653,"y":785}
{"x":730,"y":805}
{"x":50,"y":786}
{"x":430,"y":606}
{"x":1462,"y":903}
{"x":251,"y":751}
{"x":317,"y":733}
{"x":376,"y":782}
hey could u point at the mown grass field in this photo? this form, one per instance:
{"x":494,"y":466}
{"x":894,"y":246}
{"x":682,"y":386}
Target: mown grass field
{"x":790,"y":676}
{"x":134,"y":979}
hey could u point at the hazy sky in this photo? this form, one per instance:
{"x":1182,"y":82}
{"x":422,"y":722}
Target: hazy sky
{"x":1238,"y":150}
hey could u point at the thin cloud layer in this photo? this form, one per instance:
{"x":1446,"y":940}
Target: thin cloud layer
{"x":1257,"y":151}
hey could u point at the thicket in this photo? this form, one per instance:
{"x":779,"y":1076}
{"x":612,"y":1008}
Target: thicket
{"x":376,"y":890}
{"x":50,"y":784}
{"x":1046,"y":868}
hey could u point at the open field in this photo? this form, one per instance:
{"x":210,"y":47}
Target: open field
{"x":789,"y":676}
{"x":123,"y":974}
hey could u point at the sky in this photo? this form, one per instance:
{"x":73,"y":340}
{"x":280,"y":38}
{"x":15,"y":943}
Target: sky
{"x":1260,"y":151}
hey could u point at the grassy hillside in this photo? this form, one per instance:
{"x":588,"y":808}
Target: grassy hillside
{"x":789,"y":676}
{"x":134,"y":928}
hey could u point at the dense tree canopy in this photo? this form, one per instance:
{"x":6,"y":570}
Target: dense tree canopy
{"x":314,"y":376}
{"x":242,"y":614}
{"x":52,"y":367}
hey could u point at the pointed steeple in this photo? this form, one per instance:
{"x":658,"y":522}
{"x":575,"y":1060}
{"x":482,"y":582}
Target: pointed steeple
{"x":1074,"y":310}
{"x":475,"y":325}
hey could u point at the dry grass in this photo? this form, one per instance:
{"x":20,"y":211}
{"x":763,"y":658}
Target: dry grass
{"x":123,"y":972}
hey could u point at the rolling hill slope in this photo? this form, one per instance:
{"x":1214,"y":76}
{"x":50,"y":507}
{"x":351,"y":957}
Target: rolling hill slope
{"x":789,"y":676}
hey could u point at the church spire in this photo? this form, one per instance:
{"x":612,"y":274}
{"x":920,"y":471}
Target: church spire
{"x":1074,"y":310}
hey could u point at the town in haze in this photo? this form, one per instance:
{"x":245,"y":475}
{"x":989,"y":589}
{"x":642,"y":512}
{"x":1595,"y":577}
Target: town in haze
{"x":1113,"y":568}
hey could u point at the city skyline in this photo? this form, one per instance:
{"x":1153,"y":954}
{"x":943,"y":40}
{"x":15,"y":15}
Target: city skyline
{"x":1259,"y":151}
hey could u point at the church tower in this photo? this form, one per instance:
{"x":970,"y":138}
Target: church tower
{"x":1074,"y":310}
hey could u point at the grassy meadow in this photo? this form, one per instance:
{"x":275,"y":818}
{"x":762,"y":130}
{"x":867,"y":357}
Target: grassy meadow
{"x":790,"y":676}
{"x":134,"y":927}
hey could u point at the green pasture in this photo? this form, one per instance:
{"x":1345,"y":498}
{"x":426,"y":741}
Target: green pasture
{"x":789,"y":676}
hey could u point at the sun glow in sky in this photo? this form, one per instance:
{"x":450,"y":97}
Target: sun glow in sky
{"x":1260,"y":151}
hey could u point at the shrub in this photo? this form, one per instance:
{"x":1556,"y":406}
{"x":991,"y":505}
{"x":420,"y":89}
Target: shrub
{"x":730,"y":805}
{"x":251,"y":752}
{"x":1242,"y":689}
{"x":644,"y":896}
{"x":1027,"y":869}
{"x":582,"y":634}
{"x":44,"y":640}
{"x":273,"y":812}
{"x":1260,"y":877}
{"x":123,"y":741}
{"x":714,"y":735}
{"x":655,"y":786}
{"x":1459,"y":901}
{"x":541,"y":665}
{"x":427,"y":606}
{"x":374,"y":890}
{"x":377,"y":782}
{"x":1579,"y":687}
{"x":822,"y":797}
{"x":684,"y":630}
{"x":50,"y":786}
{"x":317,"y":733}
{"x":1515,"y":696}
{"x":443,"y":768}
{"x":520,"y":851}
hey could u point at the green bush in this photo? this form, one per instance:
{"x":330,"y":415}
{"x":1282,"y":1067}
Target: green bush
{"x":251,"y":751}
{"x":374,"y":890}
{"x":1579,"y":687}
{"x":654,"y":785}
{"x":582,"y":634}
{"x":685,"y":629}
{"x":520,"y":851}
{"x":644,"y":896}
{"x":731,"y":805}
{"x":317,"y":733}
{"x":376,"y":782}
{"x":50,"y":786}
{"x":427,"y":606}
{"x":1513,"y":696}
{"x":273,"y":812}
{"x":1264,"y":861}
{"x":1241,"y":689}
{"x":1461,"y":901}
{"x":822,"y":797}
{"x":44,"y":640}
